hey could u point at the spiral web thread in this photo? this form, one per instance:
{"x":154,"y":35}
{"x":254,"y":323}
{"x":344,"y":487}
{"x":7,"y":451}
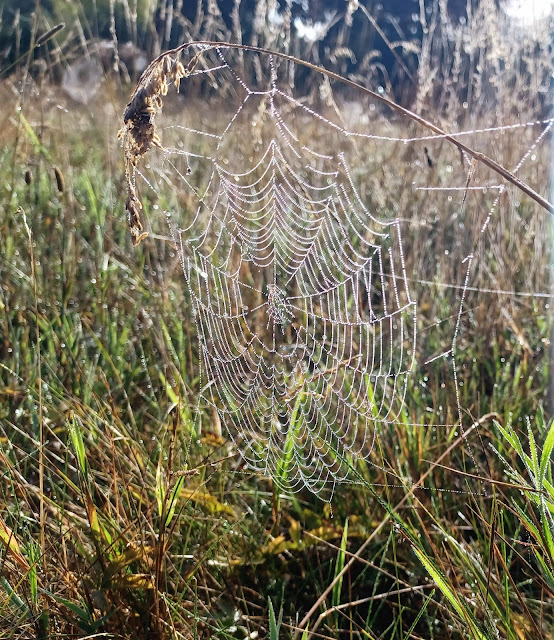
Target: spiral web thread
{"x":306,"y":324}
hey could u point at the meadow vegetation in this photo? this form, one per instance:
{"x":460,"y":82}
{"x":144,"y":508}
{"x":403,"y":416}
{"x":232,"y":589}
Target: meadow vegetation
{"x":119,"y":519}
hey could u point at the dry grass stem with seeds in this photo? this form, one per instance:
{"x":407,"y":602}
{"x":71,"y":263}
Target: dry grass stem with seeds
{"x":139,"y":129}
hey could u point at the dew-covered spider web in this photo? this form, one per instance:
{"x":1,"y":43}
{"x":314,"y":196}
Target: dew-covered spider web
{"x":334,"y":257}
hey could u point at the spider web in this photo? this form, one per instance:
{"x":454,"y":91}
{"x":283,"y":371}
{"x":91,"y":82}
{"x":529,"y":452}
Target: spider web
{"x":307,"y":327}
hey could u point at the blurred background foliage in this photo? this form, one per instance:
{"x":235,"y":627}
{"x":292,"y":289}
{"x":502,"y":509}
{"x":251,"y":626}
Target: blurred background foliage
{"x":386,"y":44}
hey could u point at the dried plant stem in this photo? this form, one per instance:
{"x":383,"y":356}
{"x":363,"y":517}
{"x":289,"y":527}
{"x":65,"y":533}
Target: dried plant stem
{"x":139,"y":130}
{"x":136,"y":123}
{"x":42,"y":513}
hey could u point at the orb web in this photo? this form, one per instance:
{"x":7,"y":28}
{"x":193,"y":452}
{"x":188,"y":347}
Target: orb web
{"x":305,"y":343}
{"x":307,"y":328}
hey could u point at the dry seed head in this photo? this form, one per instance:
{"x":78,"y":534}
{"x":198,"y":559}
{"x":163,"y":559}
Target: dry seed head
{"x":167,"y":64}
{"x":139,"y":131}
{"x":60,"y":182}
{"x":133,"y":205}
{"x":49,"y":34}
{"x":178,"y":73}
{"x":28,"y":177}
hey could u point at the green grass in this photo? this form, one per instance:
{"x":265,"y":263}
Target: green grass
{"x":147,"y":528}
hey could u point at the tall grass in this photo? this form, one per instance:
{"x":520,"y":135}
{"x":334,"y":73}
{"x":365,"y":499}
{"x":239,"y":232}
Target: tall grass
{"x":457,"y":60}
{"x":119,"y":519}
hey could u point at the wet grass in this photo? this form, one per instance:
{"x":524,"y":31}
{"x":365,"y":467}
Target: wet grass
{"x":120,"y":519}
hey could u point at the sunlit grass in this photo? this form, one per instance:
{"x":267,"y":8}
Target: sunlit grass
{"x":152,"y":527}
